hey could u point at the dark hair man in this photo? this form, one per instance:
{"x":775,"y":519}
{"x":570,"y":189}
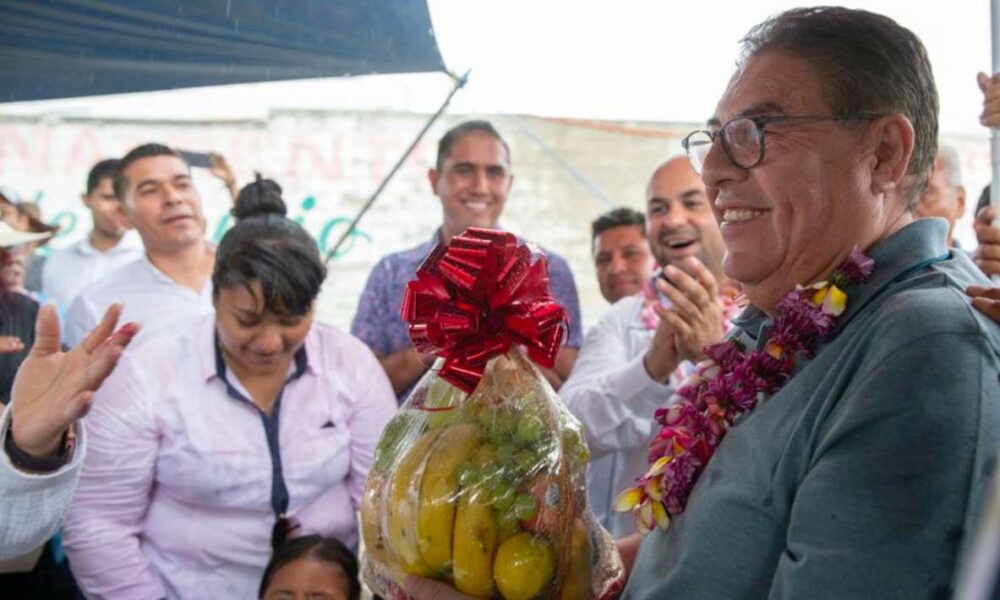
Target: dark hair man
{"x":472,"y":178}
{"x":621,"y":253}
{"x":169,"y":282}
{"x":107,"y":246}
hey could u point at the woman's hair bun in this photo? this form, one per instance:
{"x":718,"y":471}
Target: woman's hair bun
{"x":260,"y":198}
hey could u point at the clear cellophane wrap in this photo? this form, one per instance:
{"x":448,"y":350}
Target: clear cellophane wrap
{"x":486,"y":492}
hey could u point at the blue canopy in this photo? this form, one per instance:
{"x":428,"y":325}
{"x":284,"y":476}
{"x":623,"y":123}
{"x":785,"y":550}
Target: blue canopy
{"x":61,"y":48}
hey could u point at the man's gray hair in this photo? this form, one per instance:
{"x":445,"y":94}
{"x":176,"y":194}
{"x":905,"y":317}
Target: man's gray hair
{"x":951,"y":164}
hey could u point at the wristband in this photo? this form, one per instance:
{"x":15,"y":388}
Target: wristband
{"x":26,"y":462}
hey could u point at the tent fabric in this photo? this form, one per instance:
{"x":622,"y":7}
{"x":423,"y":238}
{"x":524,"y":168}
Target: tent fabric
{"x":61,"y":49}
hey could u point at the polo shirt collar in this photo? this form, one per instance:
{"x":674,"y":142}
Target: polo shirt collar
{"x":912,"y":248}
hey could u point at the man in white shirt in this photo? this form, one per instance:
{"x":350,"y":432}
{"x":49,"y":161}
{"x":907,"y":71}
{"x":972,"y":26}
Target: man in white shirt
{"x":622,"y":257}
{"x":108,"y":246}
{"x":638,"y":353}
{"x":170,"y":283}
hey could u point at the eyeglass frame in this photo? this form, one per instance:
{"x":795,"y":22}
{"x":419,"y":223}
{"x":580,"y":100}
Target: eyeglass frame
{"x":761,"y":121}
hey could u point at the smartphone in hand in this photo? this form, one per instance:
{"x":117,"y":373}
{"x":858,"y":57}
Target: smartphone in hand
{"x":197,"y":159}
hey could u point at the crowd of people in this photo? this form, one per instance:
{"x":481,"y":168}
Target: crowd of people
{"x":796,"y":272}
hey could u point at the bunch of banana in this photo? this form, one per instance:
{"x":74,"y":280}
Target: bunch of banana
{"x":478,"y":492}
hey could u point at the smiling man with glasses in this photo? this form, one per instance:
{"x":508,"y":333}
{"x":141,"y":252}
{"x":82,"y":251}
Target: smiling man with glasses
{"x":742,"y":138}
{"x":858,"y":474}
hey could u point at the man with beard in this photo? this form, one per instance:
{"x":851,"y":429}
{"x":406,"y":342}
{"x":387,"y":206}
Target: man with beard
{"x":632,"y":361}
{"x":108,"y":246}
{"x":170,"y":281}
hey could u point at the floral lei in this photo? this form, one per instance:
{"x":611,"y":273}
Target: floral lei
{"x":728,"y":384}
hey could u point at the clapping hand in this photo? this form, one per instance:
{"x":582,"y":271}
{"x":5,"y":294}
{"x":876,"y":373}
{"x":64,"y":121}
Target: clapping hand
{"x":691,"y":322}
{"x":53,"y":389}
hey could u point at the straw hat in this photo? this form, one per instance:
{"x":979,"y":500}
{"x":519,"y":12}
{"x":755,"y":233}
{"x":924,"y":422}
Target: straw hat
{"x":12,"y":237}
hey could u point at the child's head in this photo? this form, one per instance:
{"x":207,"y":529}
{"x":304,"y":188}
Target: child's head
{"x":309,"y":567}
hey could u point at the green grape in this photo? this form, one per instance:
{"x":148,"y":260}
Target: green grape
{"x":506,"y":425}
{"x":487,"y":421}
{"x":573,"y":446}
{"x":529,"y":430}
{"x":503,"y":497}
{"x":526,"y":462}
{"x":508,"y":525}
{"x":467,"y":475}
{"x":525,"y":508}
{"x":443,"y":418}
{"x":406,"y":423}
{"x":491,"y":474}
{"x":505,"y":452}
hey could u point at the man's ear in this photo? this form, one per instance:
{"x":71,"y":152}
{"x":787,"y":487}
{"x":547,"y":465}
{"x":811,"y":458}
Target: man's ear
{"x":960,"y":202}
{"x":432,"y":176}
{"x":893,"y":137}
{"x":85,"y":199}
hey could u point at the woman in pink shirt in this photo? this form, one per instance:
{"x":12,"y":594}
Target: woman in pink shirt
{"x":209,"y":442}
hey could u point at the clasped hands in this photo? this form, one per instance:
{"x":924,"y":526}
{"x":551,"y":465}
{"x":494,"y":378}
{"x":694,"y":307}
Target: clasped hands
{"x":692,"y":321}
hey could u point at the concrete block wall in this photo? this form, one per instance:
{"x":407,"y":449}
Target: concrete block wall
{"x":566,"y":173}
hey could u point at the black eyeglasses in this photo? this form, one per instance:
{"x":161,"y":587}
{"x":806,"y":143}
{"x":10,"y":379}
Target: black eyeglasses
{"x":743,"y":137}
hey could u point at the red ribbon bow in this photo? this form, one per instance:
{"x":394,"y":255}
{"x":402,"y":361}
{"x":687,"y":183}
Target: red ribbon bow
{"x":478,"y":295}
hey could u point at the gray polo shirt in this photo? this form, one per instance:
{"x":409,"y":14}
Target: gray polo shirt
{"x":861,"y":476}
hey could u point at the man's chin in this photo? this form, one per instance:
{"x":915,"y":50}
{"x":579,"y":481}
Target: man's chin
{"x":623,"y":291}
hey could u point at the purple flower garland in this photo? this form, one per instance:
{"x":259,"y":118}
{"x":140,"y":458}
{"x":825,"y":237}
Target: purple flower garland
{"x":727,"y":385}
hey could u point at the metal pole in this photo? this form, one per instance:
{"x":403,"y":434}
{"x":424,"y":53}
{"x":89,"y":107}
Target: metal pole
{"x":995,"y":134}
{"x":978,"y":578}
{"x":459,"y":84}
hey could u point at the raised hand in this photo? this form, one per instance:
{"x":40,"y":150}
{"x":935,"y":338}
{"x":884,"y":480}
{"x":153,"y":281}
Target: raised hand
{"x":663,"y":356}
{"x":53,"y":389}
{"x":221,"y":170}
{"x":990,"y":87}
{"x":696,"y":313}
{"x":987,"y":254}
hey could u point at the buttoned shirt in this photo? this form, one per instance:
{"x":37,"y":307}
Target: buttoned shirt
{"x":613,"y":396}
{"x":379,"y":324}
{"x":175,"y":499}
{"x":69,"y":270}
{"x":150,"y":298}
{"x":863,"y":474}
{"x":32,"y":505}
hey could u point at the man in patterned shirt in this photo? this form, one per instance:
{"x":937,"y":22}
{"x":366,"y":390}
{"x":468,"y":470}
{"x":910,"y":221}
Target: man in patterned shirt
{"x":472,"y":178}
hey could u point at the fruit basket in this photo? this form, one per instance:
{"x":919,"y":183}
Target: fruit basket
{"x":480,"y":478}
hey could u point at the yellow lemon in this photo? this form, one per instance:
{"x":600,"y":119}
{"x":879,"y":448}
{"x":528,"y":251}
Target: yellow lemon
{"x":523,"y":566}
